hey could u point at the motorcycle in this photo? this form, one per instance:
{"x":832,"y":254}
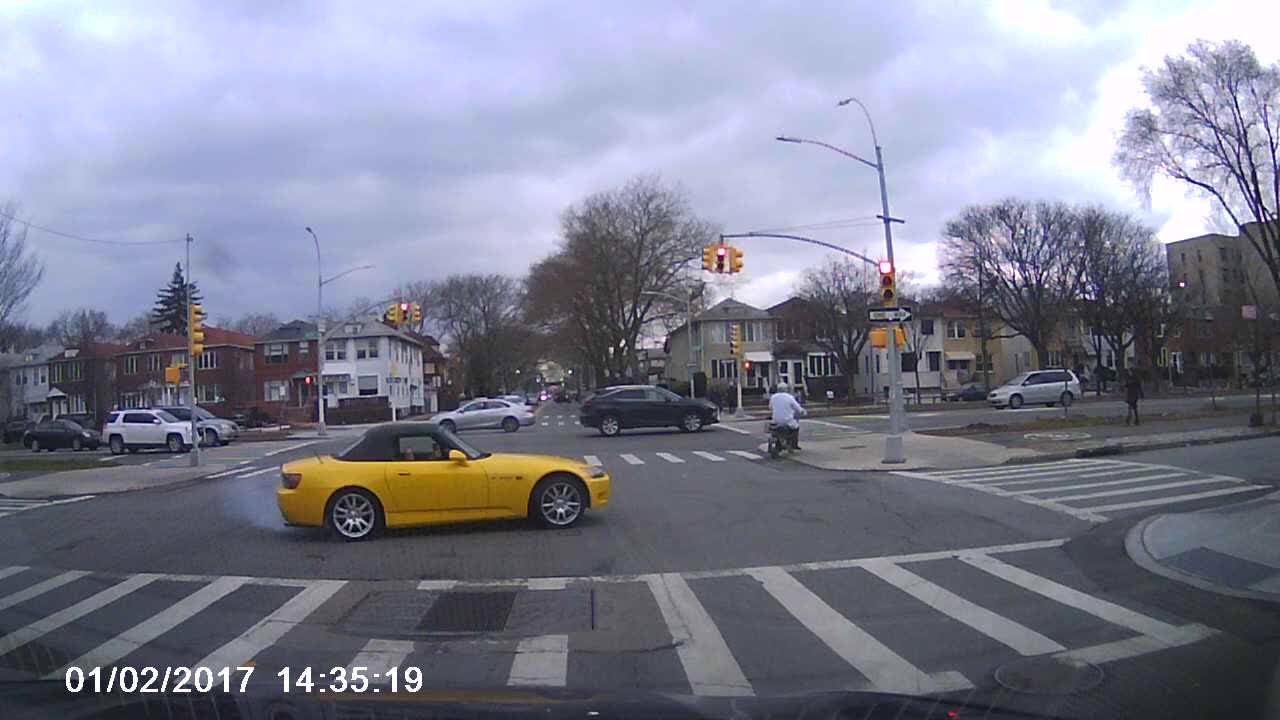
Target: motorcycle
{"x":782,"y":438}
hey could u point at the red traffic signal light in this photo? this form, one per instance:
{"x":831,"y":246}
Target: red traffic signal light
{"x":886,"y":267}
{"x":308,"y":380}
{"x":404,"y":307}
{"x":722,"y":250}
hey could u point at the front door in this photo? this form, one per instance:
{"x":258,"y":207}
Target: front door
{"x":428,"y":485}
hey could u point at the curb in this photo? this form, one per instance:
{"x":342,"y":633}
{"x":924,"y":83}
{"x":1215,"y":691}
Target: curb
{"x":1135,"y":547}
{"x":1121,"y":449}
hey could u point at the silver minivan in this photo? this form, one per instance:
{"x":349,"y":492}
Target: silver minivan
{"x":1038,"y":386}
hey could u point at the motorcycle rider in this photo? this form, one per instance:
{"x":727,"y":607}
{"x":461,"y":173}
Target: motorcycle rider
{"x":786,"y":412}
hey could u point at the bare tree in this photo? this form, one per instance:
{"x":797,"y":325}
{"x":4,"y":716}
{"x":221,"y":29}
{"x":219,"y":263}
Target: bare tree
{"x":20,"y":271}
{"x":80,"y":327}
{"x":1214,"y":124}
{"x":1017,"y":260}
{"x":135,"y":329}
{"x":615,"y":247}
{"x":836,"y":296}
{"x":480,"y":317}
{"x":256,"y":324}
{"x":19,"y":336}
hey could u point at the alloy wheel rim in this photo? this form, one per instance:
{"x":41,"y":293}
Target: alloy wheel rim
{"x":561,"y":503}
{"x":353,"y":515}
{"x":609,"y":425}
{"x":692,"y":422}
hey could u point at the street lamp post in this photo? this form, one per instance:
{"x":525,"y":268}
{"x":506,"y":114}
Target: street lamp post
{"x":320,"y":329}
{"x":689,"y":326}
{"x":893,"y":452}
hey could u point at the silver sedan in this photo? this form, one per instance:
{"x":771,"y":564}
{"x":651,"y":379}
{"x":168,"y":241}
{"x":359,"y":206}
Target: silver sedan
{"x":486,"y":413}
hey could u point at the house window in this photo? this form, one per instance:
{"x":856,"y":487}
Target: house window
{"x":717,"y":333}
{"x":367,"y":349}
{"x":77,"y":403}
{"x":752,"y":332}
{"x":367,"y":384}
{"x":335,"y":350}
{"x":1111,"y":359}
{"x":958,"y":365}
{"x":926,"y":326}
{"x":277,"y":353}
{"x":275,"y":390}
{"x":935,"y":360}
{"x":77,"y":370}
{"x":724,"y":369}
{"x":58,"y":373}
{"x":955,"y":329}
{"x":153,"y":362}
{"x":1055,"y":358}
{"x":128,"y":401}
{"x":178,"y":358}
{"x":1206,"y":359}
{"x":207,"y":360}
{"x":877,"y":362}
{"x":209,"y":393}
{"x":130,"y":364}
{"x":822,"y":366}
{"x":304,"y":348}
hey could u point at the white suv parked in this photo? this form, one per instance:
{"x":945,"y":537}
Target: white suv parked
{"x":134,"y":430}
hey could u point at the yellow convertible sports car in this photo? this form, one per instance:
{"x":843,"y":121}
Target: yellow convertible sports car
{"x":404,"y":474}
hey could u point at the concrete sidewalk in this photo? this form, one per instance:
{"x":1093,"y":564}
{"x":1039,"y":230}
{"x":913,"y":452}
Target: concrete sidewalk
{"x":110,"y":479}
{"x":1233,"y":550}
{"x":865,"y":451}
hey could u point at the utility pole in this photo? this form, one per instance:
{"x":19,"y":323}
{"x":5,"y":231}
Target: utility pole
{"x":319,"y":336}
{"x":191,"y":366}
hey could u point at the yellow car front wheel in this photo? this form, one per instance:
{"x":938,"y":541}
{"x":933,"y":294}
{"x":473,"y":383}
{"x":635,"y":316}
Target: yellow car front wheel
{"x":558,"y":501}
{"x":354,"y":514}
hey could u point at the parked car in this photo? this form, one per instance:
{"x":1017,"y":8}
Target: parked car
{"x":403,"y":474}
{"x":968,"y":391}
{"x":485,"y":413}
{"x":213,"y":429}
{"x":513,"y":399}
{"x":134,"y":430}
{"x":1050,"y":387}
{"x":637,"y":406}
{"x":252,"y":417}
{"x":62,"y":433}
{"x":15,"y":429}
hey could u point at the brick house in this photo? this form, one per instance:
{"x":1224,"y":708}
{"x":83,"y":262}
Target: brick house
{"x":224,"y":372}
{"x":82,"y":380}
{"x":283,"y":360}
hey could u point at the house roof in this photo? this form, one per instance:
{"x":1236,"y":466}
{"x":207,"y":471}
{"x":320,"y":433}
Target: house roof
{"x":371,"y":328}
{"x":32,"y":356}
{"x":426,"y":339}
{"x":213,"y":337}
{"x":731,"y":309}
{"x":295,"y":330}
{"x":90,"y":350}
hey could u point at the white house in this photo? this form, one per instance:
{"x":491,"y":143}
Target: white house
{"x":29,"y":381}
{"x":370,"y":358}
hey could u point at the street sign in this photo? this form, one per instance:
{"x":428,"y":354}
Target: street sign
{"x":889,"y":314}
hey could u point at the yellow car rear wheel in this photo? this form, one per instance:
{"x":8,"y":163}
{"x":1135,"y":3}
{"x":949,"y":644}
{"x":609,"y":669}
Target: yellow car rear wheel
{"x":354,"y":514}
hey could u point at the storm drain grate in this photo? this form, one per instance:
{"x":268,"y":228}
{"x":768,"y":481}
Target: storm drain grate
{"x":469,"y":612}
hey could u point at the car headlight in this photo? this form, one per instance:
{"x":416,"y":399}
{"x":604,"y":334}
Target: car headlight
{"x":86,"y":434}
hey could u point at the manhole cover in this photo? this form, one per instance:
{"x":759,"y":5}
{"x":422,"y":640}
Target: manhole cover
{"x":1057,"y":436}
{"x":466,"y":612}
{"x":1049,"y":675}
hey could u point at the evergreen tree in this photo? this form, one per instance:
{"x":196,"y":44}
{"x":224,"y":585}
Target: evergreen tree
{"x":170,"y":311}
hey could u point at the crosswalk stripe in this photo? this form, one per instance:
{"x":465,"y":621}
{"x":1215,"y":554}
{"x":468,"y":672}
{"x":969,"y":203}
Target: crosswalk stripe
{"x":1141,"y":489}
{"x":41,"y":588}
{"x":153,"y":627}
{"x":731,"y":428}
{"x":437,"y":585}
{"x":745,"y":454}
{"x":997,"y":627}
{"x":1071,"y":597}
{"x":709,"y":456}
{"x":1034,"y":467}
{"x":887,"y":670}
{"x":542,"y":660}
{"x":1033,"y":481}
{"x":669,"y":457}
{"x":49,"y":623}
{"x":12,"y":570}
{"x":1106,"y":483}
{"x":271,"y":628}
{"x":631,"y":459}
{"x":1024,"y":472}
{"x":1176,"y":498}
{"x":708,"y":664}
{"x":592,"y":460}
{"x":378,"y":656}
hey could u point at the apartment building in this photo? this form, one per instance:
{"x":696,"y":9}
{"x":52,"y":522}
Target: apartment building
{"x":224,"y":372}
{"x":82,"y":379}
{"x":372,"y":359}
{"x":283,"y":360}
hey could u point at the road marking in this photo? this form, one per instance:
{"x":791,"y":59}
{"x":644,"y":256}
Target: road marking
{"x":1032,"y":481}
{"x":887,"y":670}
{"x":1135,"y":646}
{"x":814,"y":421}
{"x":291,"y":447}
{"x":708,"y":664}
{"x":669,"y":457}
{"x":1108,"y":483}
{"x":592,"y":460}
{"x":738,"y":430}
{"x":256,"y":473}
{"x":49,"y":623}
{"x":993,"y":473}
{"x":108,"y":458}
{"x":547,"y":583}
{"x":41,"y":588}
{"x":575,"y":421}
{"x":541,"y":660}
{"x":271,"y":628}
{"x":999,"y":628}
{"x":12,"y":570}
{"x":111,"y":651}
{"x":865,"y":417}
{"x":1142,"y":489}
{"x":1177,"y":498}
{"x":631,"y":459}
{"x":1071,"y":597}
{"x":437,"y":584}
{"x":379,"y":656}
{"x":709,"y":456}
{"x":224,"y":473}
{"x":745,"y":454}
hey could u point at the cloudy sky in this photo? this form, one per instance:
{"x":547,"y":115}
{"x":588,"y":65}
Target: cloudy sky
{"x":433,"y":138}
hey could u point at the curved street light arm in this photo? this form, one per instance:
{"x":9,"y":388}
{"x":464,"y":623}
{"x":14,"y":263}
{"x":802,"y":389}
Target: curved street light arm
{"x":809,"y":240}
{"x":819,"y":143}
{"x":344,"y":273}
{"x":875,"y":140}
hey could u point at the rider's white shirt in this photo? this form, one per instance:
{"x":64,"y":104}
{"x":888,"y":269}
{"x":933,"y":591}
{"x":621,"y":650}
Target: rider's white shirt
{"x":785,"y":410}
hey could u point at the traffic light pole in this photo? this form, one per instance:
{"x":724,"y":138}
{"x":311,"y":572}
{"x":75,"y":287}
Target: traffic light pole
{"x":191,"y":367}
{"x":893,"y":451}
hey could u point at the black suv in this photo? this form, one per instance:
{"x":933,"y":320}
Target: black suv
{"x":639,"y":406}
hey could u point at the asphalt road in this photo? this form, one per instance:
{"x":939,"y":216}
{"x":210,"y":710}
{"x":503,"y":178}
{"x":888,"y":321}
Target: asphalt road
{"x":713,"y":572}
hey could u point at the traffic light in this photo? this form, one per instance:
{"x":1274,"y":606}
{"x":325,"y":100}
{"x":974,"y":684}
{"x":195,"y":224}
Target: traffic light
{"x":195,"y":329}
{"x":709,"y":258}
{"x":888,"y":291}
{"x":307,"y":380}
{"x":746,"y":365}
{"x":722,"y":257}
{"x":880,"y":338}
{"x":173,"y":374}
{"x":417,"y":314}
{"x":735,"y":259}
{"x":735,"y":340}
{"x":405,"y":312}
{"x":393,"y":316}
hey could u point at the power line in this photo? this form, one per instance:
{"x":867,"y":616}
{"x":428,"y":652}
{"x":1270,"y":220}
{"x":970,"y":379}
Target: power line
{"x":81,"y":238}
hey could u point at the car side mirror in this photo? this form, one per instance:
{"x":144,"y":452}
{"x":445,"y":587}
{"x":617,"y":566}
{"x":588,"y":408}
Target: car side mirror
{"x":458,"y":456}
{"x":155,"y":421}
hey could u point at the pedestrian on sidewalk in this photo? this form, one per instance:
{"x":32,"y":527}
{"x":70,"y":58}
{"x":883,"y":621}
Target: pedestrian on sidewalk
{"x":1132,"y":393}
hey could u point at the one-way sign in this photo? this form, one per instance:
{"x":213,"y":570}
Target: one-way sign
{"x":889,"y":314}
